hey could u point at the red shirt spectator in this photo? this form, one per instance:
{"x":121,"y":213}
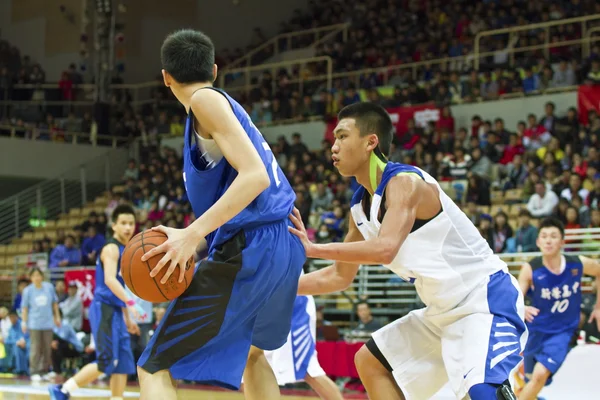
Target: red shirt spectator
{"x":66,"y":86}
{"x":446,"y":120}
{"x":512,"y":149}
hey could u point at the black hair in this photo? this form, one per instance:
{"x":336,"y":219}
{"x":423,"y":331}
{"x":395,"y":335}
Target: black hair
{"x":552,"y":222}
{"x":371,"y":118}
{"x":122,"y":209}
{"x":34,"y":270}
{"x":188,"y":56}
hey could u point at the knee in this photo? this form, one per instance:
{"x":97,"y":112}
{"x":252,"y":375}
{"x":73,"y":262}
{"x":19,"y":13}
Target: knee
{"x":365,"y":361}
{"x":255,"y":354}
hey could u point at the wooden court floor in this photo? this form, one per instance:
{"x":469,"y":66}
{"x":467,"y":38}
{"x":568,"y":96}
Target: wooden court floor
{"x":12,"y":389}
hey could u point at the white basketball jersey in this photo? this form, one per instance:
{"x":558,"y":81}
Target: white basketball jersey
{"x":446,"y":258}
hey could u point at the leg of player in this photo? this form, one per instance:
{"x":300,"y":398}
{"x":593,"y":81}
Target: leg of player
{"x":378,"y":380}
{"x":117,"y":386}
{"x":325,"y":387}
{"x":536,"y":383}
{"x":85,"y":376}
{"x":259,"y":379}
{"x":159,"y":385}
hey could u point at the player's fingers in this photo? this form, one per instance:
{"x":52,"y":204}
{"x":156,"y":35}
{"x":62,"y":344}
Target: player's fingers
{"x":166,"y":258}
{"x":297,"y":222}
{"x":294,"y":231}
{"x":182,"y":266}
{"x":169,"y":272}
{"x":154,"y":251}
{"x":297,"y":214}
{"x":591,"y":318}
{"x":160,"y":228}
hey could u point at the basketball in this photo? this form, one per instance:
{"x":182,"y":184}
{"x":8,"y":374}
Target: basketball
{"x":136,"y":273}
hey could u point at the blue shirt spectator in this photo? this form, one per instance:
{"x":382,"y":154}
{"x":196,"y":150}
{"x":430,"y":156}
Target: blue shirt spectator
{"x":65,"y":254}
{"x":531,"y":82}
{"x":68,"y":334}
{"x":91,"y":245}
{"x":39,"y":301}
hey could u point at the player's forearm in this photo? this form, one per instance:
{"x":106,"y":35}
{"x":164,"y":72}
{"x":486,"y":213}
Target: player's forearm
{"x":118,"y":290}
{"x":323,"y":281}
{"x":243,"y":190}
{"x":375,"y":251}
{"x":55,"y":309}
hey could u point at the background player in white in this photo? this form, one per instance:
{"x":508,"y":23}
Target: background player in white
{"x":553,"y":282}
{"x":296,"y":360}
{"x":471,"y":331}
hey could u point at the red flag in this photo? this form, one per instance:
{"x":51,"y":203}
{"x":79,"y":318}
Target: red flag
{"x":588,"y":98}
{"x":86,"y":283}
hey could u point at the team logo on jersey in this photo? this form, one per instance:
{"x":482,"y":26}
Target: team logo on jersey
{"x":574,"y":272}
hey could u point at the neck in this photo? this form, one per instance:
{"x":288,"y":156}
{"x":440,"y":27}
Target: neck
{"x":371,"y":176}
{"x":184,"y":93}
{"x":552,"y":261}
{"x":38,"y":285}
{"x":119,"y":239}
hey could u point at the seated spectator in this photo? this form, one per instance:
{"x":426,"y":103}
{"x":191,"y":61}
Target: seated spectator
{"x":480,"y":164}
{"x":366,"y":322}
{"x":335,"y":222}
{"x":582,"y":209}
{"x":5,"y":325}
{"x":526,"y":236}
{"x":574,"y":189}
{"x":65,"y":254}
{"x":517,"y":173}
{"x":21,"y":285}
{"x":593,"y":199}
{"x":486,"y":230}
{"x":65,"y":344}
{"x":18,"y":342}
{"x":72,"y":307}
{"x":531,"y":82}
{"x":91,"y":245}
{"x":132,"y":171}
{"x":502,"y":231}
{"x":478,"y":191}
{"x":61,"y":290}
{"x":322,"y":198}
{"x":543,"y":202}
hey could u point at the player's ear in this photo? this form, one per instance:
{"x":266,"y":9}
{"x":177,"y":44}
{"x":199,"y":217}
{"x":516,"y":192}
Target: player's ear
{"x":373,"y":142}
{"x":166,"y":78}
{"x":215,"y":70}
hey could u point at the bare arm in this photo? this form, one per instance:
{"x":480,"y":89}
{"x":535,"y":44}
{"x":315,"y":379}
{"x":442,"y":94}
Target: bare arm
{"x":591,"y":267}
{"x":525,"y":278}
{"x":110,"y":257}
{"x":217,"y":119}
{"x":335,"y":277}
{"x":404,"y":194}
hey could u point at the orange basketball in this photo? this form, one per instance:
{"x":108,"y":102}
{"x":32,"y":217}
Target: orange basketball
{"x":136,"y":273}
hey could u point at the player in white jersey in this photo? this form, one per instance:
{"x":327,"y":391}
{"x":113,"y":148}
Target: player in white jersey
{"x":296,"y":360}
{"x":472,"y":330}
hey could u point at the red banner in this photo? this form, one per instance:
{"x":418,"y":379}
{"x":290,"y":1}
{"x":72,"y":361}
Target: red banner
{"x":588,"y":98}
{"x":400,"y":116}
{"x":86,"y":282}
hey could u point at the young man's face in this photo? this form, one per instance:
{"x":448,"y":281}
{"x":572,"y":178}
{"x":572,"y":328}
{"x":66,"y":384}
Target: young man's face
{"x":550,"y":241}
{"x":350,"y":151}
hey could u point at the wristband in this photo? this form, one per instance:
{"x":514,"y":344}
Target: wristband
{"x":130,"y":303}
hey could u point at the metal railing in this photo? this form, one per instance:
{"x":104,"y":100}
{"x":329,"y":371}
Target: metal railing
{"x":542,"y":25}
{"x":325,"y":80}
{"x":91,"y":138}
{"x":383,"y":287}
{"x":286,"y":42}
{"x":50,"y":198}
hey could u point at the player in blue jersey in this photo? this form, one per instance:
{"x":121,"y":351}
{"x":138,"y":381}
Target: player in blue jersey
{"x":553,"y":283}
{"x":109,"y":316}
{"x":241,"y":298}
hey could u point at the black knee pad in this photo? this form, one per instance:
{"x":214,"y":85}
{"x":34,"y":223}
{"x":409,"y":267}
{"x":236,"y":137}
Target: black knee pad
{"x":505,"y":392}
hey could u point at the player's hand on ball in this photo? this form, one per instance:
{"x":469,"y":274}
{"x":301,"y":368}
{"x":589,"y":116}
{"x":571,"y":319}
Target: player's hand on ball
{"x":300,"y":231}
{"x":595,"y":315}
{"x":531,"y":313}
{"x":178,"y":249}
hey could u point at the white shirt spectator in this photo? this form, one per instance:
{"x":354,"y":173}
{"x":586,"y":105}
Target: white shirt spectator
{"x":566,"y":193}
{"x":542,"y":206}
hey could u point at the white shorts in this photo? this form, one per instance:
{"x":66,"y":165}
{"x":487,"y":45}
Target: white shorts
{"x":298,"y":356}
{"x":480,"y":341}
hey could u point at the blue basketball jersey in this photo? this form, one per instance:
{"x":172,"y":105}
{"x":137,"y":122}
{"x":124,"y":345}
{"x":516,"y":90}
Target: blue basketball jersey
{"x":205,"y":186}
{"x":102,"y":293}
{"x":558,"y":297}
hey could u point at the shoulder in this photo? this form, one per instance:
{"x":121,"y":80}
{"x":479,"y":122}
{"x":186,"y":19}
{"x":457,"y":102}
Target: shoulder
{"x":536,"y":263}
{"x":208,"y":100}
{"x":570,"y":259}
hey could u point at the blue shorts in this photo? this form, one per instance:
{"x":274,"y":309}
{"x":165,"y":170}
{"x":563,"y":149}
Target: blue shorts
{"x":242,"y":294}
{"x":549,"y":349}
{"x":113,"y":344}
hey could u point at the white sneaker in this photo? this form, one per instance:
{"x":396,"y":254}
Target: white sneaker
{"x":36,"y":378}
{"x":49,"y":376}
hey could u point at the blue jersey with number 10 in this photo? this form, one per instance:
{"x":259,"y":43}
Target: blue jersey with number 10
{"x":205,"y":186}
{"x":558,"y":297}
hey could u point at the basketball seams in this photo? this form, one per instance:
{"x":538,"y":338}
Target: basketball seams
{"x":150,"y":268}
{"x":131,"y":286}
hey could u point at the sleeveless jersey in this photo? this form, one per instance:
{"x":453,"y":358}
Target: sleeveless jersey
{"x":445,"y":257}
{"x":558,"y":297}
{"x":205,"y":186}
{"x":102,"y":293}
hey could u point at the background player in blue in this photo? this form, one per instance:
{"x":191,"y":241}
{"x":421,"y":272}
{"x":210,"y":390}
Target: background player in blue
{"x":241,"y":298}
{"x":553,"y":283}
{"x":109,"y":319}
